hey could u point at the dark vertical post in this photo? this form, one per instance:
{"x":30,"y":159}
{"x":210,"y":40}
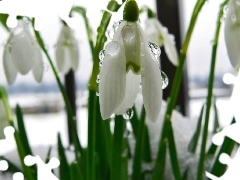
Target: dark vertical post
{"x":71,"y":93}
{"x":168,"y":14}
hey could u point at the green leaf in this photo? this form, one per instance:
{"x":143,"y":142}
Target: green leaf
{"x":216,"y":125}
{"x":192,"y":146}
{"x":64,"y":167}
{"x":27,"y":171}
{"x":11,"y":166}
{"x":113,"y":6}
{"x":139,"y":148}
{"x":118,"y":148}
{"x":173,"y":155}
{"x":75,"y":171}
{"x":23,"y":138}
{"x":227,"y":147}
{"x":22,"y":131}
{"x":159,"y":167}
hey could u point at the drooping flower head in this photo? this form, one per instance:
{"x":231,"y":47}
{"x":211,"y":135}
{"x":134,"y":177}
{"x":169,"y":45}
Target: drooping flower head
{"x":156,"y":32}
{"x":22,"y":54}
{"x":67,"y":51}
{"x":232,"y":32}
{"x":129,"y":63}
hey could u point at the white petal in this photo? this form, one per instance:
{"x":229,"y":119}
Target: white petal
{"x":62,"y":59}
{"x":232,"y":35}
{"x":151,"y":88}
{"x":151,"y":83}
{"x":132,"y":89}
{"x":37,"y":69}
{"x":22,"y":52}
{"x":112,"y":79}
{"x":170,"y":49}
{"x":74,"y":53}
{"x":155,"y":30}
{"x":9,"y":68}
{"x":152,"y":31}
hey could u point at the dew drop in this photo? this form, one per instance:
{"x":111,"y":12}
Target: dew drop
{"x":97,"y":93}
{"x":165,"y":80}
{"x":155,"y":49}
{"x":128,"y":114}
{"x":116,"y":24}
{"x":112,"y":48}
{"x":101,"y":55}
{"x":100,"y":63}
{"x":98,"y":79}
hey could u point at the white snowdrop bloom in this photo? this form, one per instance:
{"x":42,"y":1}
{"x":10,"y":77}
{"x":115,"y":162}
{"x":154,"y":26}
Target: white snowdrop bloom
{"x":129,"y":62}
{"x":156,"y":32}
{"x":232,"y":32}
{"x":67,"y":51}
{"x":22,"y":54}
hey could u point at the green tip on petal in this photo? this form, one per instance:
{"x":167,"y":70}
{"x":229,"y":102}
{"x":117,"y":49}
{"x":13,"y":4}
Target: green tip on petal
{"x":131,"y":11}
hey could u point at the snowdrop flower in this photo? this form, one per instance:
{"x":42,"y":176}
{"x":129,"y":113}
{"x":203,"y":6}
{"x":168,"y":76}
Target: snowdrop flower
{"x":129,"y":62}
{"x":156,"y":32}
{"x":232,"y":32}
{"x":67,"y":53}
{"x":22,"y":54}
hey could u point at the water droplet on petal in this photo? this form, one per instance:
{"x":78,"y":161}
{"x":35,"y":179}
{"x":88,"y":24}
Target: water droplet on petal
{"x":129,"y":114}
{"x":112,"y":48}
{"x":101,"y":55}
{"x":155,"y":49}
{"x":165,"y":80}
{"x":116,"y":24}
{"x":98,"y":79}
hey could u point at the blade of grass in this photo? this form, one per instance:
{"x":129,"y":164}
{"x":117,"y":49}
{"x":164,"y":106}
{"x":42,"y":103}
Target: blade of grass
{"x":11,"y":166}
{"x":173,"y":155}
{"x":159,"y":167}
{"x":139,"y":148}
{"x":216,"y":125}
{"x":200,"y":170}
{"x":192,"y":146}
{"x":174,"y":91}
{"x":27,"y":171}
{"x":22,"y":131}
{"x":117,"y":150}
{"x":64,"y":169}
{"x":227,"y":147}
{"x":23,"y":137}
{"x":75,"y":171}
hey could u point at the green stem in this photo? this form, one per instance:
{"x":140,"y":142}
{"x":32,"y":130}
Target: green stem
{"x":210,"y":94}
{"x":178,"y":78}
{"x":8,"y":111}
{"x":139,"y":149}
{"x":70,"y":113}
{"x":93,"y":86}
{"x":117,"y":150}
